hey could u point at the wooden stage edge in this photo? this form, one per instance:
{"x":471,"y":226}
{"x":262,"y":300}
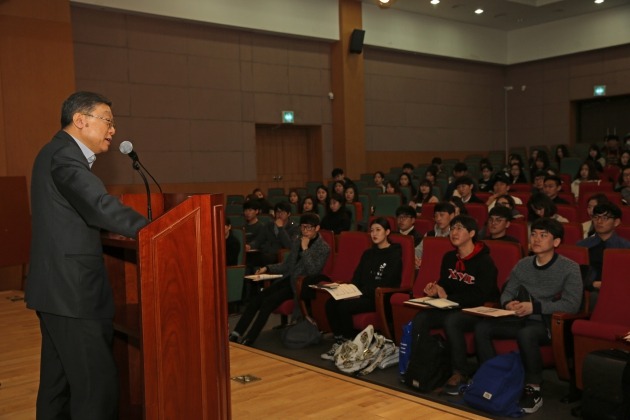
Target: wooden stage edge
{"x":292,"y":389}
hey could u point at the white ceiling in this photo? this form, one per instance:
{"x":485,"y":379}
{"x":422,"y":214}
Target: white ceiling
{"x":503,"y":14}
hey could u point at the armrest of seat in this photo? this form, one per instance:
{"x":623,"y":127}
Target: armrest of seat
{"x":560,"y":336}
{"x":381,"y":294}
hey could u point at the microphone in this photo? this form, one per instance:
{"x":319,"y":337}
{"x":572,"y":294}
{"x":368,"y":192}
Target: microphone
{"x":126,"y":148}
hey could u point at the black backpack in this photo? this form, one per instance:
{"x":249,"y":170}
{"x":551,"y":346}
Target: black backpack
{"x":429,"y":365}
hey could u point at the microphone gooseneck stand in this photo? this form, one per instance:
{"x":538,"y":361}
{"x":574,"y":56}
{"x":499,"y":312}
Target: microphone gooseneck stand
{"x":136,"y":166}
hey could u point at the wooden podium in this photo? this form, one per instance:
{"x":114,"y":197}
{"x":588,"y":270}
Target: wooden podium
{"x":171,"y":343}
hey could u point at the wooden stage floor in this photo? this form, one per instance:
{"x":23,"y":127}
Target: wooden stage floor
{"x":287,"y":390}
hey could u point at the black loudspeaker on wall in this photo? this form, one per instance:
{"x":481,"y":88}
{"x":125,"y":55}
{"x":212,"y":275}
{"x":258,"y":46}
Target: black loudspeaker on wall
{"x":356,"y":41}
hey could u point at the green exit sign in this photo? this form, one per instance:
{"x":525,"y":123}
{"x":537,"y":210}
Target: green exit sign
{"x":288,"y":117}
{"x":599,"y":90}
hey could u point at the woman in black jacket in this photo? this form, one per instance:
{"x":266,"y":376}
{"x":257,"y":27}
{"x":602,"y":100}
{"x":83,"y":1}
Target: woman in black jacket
{"x":380,"y":266}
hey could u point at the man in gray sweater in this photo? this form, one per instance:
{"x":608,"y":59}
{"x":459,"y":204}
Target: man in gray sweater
{"x":538,"y":286}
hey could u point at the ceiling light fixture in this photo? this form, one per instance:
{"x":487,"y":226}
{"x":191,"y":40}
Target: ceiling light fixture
{"x":385,"y":4}
{"x":434,"y":2}
{"x":479,"y":11}
{"x":599,"y":1}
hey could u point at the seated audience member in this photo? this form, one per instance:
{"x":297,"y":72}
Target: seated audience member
{"x":309,"y":205}
{"x":307,"y":257}
{"x":391,"y":187}
{"x":561,"y":152}
{"x":595,"y":155}
{"x":464,"y":186}
{"x":540,"y":205}
{"x":437,"y":163}
{"x":606,"y":218}
{"x":538,"y":286}
{"x":232,"y":244}
{"x":516,"y":174}
{"x":263,"y":205}
{"x":538,"y":182}
{"x":499,"y":219}
{"x":338,"y":187}
{"x":351,"y":194}
{"x":485,"y":182}
{"x":405,"y":218}
{"x":424,"y":195}
{"x":586,"y":173}
{"x":253,"y":226}
{"x":443,"y":213}
{"x":338,"y":219}
{"x":541,"y":163}
{"x":294,"y":198}
{"x":274,"y":236}
{"x":459,"y":170}
{"x":404,"y":181}
{"x":379,"y":180}
{"x":624,"y":159}
{"x":507,"y":200}
{"x":501,"y":187}
{"x":431,"y":174}
{"x":408,"y":168}
{"x":623,"y":186}
{"x":610,"y":151}
{"x":551,"y":188}
{"x":380,"y":266}
{"x":468,"y":276}
{"x":337,"y":174}
{"x":323,"y":198}
{"x":587,"y":227}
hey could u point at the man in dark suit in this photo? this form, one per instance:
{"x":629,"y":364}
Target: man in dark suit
{"x":67,"y":284}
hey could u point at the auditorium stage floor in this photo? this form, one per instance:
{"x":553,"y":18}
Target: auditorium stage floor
{"x":292,"y":390}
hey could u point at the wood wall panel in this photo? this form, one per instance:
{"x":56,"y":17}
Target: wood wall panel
{"x":36,"y":75}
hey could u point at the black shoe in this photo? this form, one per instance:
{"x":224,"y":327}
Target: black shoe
{"x":233,"y":338}
{"x":531,"y":400}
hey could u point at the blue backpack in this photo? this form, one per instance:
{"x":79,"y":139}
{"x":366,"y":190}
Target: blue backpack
{"x":497,"y":386}
{"x":405,"y":349}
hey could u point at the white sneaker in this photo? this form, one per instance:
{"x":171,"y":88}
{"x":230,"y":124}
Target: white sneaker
{"x":330,"y":354}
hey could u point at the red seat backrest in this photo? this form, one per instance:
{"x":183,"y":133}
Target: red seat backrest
{"x":590,"y":188}
{"x":518,"y":229}
{"x":573,"y":233}
{"x":567,"y":195}
{"x":579,"y":254}
{"x":423,"y":225}
{"x":568,"y":211}
{"x":523,"y":195}
{"x":520,"y":187}
{"x":408,"y":258}
{"x":483,"y":196}
{"x":350,"y":248}
{"x":329,"y":237}
{"x":505,"y":255}
{"x":478,"y":211}
{"x":523,"y":210}
{"x":427,"y":211}
{"x":612,"y":304}
{"x":433,"y":251}
{"x":623,"y":231}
